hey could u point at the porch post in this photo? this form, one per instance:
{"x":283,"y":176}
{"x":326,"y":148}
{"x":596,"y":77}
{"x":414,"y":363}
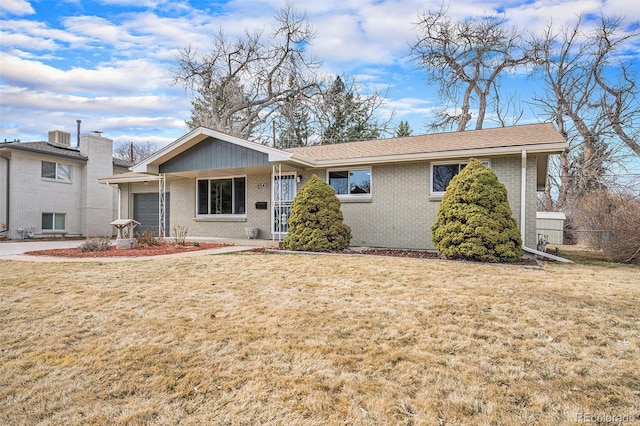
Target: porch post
{"x":161,"y":205}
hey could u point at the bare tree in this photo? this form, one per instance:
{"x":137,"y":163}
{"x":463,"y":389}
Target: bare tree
{"x":597,"y":117}
{"x":135,"y":152}
{"x":239,"y":84}
{"x":466,"y":60}
{"x":619,"y":100}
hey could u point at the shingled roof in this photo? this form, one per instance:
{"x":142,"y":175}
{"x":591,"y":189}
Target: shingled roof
{"x":519,"y":137}
{"x":45,"y":148}
{"x":57,"y":150}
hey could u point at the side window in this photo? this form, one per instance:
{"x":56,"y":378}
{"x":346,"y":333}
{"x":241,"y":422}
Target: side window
{"x":351,"y":182}
{"x":57,"y":171}
{"x":441,"y":175}
{"x":54,"y":221}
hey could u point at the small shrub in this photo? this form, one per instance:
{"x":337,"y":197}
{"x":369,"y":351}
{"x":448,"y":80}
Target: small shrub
{"x":316,"y":222}
{"x":96,"y":244}
{"x":196,"y":244}
{"x":180,"y":234}
{"x":474,"y":219}
{"x":148,"y":238}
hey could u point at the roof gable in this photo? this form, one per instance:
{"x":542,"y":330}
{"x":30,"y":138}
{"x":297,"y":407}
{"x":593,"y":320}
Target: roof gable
{"x":211,"y":154}
{"x":154,"y":163}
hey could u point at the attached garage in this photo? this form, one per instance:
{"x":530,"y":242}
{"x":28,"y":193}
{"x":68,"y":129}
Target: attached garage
{"x":146,"y":210}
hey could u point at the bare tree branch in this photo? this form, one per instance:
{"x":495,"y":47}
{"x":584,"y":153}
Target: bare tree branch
{"x":239,"y":84}
{"x":466,"y":60}
{"x":597,"y":117}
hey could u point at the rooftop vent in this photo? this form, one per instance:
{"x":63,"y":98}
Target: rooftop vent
{"x":59,"y":137}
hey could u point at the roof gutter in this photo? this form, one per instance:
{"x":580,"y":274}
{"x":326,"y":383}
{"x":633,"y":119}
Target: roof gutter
{"x":523,"y":215}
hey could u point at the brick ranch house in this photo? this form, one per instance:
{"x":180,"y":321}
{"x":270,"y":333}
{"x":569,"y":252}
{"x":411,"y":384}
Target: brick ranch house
{"x":217,"y":185}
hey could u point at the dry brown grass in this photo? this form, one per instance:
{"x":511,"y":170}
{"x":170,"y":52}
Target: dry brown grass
{"x":313,"y":339}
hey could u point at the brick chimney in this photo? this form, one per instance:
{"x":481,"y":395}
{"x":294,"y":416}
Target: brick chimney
{"x":98,"y":204}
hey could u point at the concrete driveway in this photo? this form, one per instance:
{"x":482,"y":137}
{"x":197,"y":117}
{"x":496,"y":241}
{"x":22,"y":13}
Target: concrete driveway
{"x":11,"y":248}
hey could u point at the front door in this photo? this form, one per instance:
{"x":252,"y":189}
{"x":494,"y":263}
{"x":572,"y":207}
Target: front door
{"x":284,"y":189}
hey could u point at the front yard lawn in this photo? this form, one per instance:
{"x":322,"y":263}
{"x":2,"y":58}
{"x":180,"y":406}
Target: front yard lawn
{"x":316,"y":339}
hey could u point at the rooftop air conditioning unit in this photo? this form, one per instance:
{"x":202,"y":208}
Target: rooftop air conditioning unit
{"x":59,"y":137}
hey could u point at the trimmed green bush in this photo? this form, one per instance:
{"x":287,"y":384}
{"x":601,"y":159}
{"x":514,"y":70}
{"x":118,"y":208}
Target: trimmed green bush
{"x":316,"y":222}
{"x":474,"y":219}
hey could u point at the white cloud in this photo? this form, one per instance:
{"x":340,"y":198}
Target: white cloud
{"x":16,"y":7}
{"x":36,"y":35}
{"x":116,"y":77}
{"x":26,"y":41}
{"x":35,"y":100}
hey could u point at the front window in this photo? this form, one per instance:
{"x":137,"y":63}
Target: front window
{"x":57,"y":171}
{"x":441,"y":175}
{"x":53,"y":221}
{"x":351,"y":182}
{"x":222,"y":196}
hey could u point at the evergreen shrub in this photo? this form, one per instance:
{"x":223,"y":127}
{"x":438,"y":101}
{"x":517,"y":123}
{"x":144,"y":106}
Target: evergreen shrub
{"x":316,"y":221}
{"x":474,"y":219}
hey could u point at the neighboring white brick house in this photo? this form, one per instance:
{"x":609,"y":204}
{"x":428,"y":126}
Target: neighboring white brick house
{"x":51,"y":188}
{"x":390,"y":189}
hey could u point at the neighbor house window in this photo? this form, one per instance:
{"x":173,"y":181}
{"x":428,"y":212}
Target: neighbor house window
{"x":351,"y":182}
{"x":53,"y":221}
{"x":441,"y":175}
{"x":222,"y":196}
{"x":57,"y":171}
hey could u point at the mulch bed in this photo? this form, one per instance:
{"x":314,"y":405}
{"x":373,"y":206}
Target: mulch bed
{"x":415,"y":254}
{"x":161,"y":249}
{"x":136,"y":252}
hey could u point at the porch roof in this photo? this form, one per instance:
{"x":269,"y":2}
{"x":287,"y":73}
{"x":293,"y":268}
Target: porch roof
{"x":129,"y":177}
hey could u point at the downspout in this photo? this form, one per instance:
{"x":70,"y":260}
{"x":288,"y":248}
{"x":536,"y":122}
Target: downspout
{"x":523,"y":215}
{"x":8,"y":195}
{"x":523,"y":196}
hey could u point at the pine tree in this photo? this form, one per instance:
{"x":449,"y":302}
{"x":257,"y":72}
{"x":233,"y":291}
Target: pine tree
{"x":293,"y":123}
{"x":349,"y":116}
{"x":474,"y":219}
{"x":403,"y":129}
{"x":316,"y":222}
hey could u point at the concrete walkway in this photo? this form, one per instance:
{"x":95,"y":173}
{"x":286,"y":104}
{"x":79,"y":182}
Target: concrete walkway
{"x":15,"y":250}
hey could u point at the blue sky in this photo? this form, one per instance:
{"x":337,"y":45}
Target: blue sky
{"x":108,"y":62}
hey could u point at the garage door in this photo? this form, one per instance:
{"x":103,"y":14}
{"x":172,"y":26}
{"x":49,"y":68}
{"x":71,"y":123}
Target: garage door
{"x":146,"y":211}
